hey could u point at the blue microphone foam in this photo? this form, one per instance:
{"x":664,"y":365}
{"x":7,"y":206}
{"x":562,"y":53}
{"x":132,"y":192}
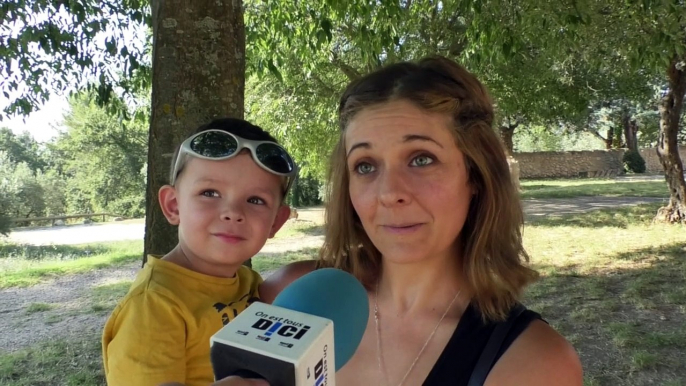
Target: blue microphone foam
{"x":335,"y":295}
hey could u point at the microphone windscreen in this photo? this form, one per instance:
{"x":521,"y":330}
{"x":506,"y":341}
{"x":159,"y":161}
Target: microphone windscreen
{"x":335,"y":295}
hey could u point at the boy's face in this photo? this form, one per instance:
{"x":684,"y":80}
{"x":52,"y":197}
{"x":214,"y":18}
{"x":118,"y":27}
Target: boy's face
{"x":226,"y":210}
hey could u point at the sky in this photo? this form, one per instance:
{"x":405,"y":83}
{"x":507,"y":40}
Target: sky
{"x":43,"y":124}
{"x":46,"y":121}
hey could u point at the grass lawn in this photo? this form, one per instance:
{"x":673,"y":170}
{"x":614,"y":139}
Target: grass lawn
{"x":611,"y":281}
{"x":615,"y":285}
{"x":299,"y":229}
{"x":592,"y":187}
{"x":60,"y":362}
{"x":24,"y":265}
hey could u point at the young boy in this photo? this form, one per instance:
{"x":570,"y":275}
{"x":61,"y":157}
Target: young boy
{"x":227,"y":186}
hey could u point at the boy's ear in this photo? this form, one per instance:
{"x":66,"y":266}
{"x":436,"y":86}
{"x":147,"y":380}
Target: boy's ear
{"x":169,"y":204}
{"x":281,"y":218}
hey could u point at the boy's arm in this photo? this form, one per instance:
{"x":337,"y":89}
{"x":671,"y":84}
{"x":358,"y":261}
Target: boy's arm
{"x":144,"y":342}
{"x":277,"y":281}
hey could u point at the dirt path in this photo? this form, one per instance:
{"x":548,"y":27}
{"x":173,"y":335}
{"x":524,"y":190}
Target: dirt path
{"x":74,"y":311}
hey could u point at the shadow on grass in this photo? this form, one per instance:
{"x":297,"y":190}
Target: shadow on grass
{"x":52,"y":252}
{"x":627,"y":324}
{"x":594,"y":188}
{"x":620,"y":217}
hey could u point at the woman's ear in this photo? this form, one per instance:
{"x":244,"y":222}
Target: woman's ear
{"x":169,"y":203}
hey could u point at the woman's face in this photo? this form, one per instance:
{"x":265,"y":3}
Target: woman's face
{"x":408,"y":181}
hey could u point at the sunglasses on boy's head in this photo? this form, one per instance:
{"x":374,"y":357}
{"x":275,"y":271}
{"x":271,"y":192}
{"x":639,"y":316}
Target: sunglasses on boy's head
{"x":219,"y":145}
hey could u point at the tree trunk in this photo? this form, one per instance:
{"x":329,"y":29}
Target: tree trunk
{"x":633,"y":129}
{"x":507,"y":135}
{"x":198,"y":73}
{"x":607,"y":141}
{"x":610,"y":138}
{"x":630,"y":130}
{"x":618,"y":134}
{"x":667,"y":145}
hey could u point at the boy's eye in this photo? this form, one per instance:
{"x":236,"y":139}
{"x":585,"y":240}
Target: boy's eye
{"x":364,"y":168}
{"x":256,"y":201}
{"x":209,"y":193}
{"x":422,"y":160}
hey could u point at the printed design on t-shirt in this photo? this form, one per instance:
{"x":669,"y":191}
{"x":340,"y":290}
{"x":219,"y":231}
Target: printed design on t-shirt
{"x":230,"y":311}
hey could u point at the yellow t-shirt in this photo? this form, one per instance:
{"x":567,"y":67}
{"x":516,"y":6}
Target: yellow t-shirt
{"x":160,"y":332}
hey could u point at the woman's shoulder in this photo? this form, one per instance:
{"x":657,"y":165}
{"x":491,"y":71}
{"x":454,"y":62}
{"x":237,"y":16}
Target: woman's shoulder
{"x":539,"y":356}
{"x":284,"y":276}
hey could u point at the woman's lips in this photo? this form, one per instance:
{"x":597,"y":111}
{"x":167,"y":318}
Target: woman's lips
{"x":402,"y":229}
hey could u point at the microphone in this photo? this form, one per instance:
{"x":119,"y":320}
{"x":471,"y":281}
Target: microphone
{"x":310,"y":331}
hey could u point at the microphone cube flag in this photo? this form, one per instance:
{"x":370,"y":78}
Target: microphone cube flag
{"x":282,"y":346}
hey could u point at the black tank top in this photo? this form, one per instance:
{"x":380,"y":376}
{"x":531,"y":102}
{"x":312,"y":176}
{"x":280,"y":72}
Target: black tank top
{"x":458,"y":359}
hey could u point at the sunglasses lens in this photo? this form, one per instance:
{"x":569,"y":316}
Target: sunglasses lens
{"x":275,"y":158}
{"x":214,"y":144}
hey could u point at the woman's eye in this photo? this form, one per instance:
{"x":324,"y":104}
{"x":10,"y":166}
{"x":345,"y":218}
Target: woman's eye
{"x":209,"y":193}
{"x":422,"y":160}
{"x":256,"y":201}
{"x":364,"y":168}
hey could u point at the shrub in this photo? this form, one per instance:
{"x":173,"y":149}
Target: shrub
{"x":633,"y":162}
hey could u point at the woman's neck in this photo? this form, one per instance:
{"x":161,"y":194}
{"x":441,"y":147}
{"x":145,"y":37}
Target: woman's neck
{"x":425,"y":286}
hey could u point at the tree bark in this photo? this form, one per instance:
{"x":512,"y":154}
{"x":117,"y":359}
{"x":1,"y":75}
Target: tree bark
{"x":630,"y":130}
{"x":507,"y":135}
{"x":610,"y":138}
{"x":667,"y":145}
{"x":618,"y":134}
{"x":198,"y":74}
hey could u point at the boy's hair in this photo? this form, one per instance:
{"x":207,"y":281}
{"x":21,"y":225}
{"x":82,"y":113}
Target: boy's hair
{"x":239,"y":127}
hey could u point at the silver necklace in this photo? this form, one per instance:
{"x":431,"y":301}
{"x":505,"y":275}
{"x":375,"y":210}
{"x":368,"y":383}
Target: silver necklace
{"x":382,"y":367}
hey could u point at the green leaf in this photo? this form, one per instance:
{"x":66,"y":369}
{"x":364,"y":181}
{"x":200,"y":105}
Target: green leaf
{"x":111,"y":46}
{"x":326,"y":26}
{"x":275,"y":71}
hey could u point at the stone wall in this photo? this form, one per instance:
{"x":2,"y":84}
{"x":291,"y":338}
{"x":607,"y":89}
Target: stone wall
{"x":653,"y":162}
{"x":572,"y":164}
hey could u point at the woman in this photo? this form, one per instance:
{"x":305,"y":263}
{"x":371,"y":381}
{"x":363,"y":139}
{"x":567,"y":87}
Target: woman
{"x":423,"y":211}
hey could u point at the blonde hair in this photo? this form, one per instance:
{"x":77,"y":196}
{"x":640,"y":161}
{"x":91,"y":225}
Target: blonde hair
{"x":493,"y":257}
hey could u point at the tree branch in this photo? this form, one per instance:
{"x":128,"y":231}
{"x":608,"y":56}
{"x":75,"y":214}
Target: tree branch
{"x":597,"y":135}
{"x":348,"y":70}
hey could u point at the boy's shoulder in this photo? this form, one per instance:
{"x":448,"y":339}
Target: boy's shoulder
{"x":248,"y":274}
{"x":163,"y":281}
{"x":152,"y":281}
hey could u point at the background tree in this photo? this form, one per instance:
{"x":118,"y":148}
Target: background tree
{"x":101,"y":158}
{"x":648,"y":36}
{"x":51,"y":46}
{"x":22,"y":148}
{"x":198,"y":73}
{"x":5,"y":198}
{"x":301,"y":55}
{"x":21,"y":190}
